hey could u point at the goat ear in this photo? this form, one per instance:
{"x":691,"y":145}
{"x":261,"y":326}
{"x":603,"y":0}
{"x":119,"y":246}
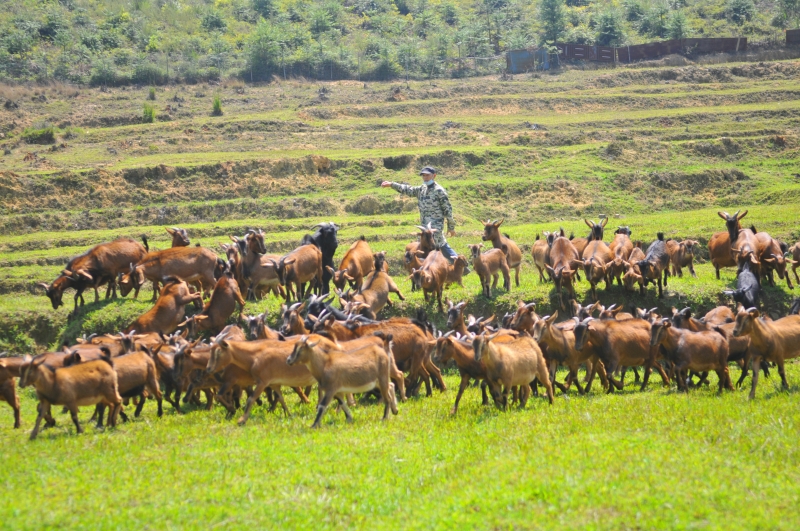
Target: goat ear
{"x":552,"y":318}
{"x":589,"y":223}
{"x":498,"y":223}
{"x":723,"y":215}
{"x":289,"y":261}
{"x":330,"y":270}
{"x":753,"y":312}
{"x":743,"y":214}
{"x":604,"y":222}
{"x":170,"y":231}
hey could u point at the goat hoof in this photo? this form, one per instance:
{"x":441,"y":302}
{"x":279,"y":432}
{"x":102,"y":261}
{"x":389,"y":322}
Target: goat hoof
{"x":241,"y":421}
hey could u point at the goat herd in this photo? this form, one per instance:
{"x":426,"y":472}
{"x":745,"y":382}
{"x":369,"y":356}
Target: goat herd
{"x":346,"y":350}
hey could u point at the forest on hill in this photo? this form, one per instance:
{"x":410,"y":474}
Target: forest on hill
{"x":154,"y":42}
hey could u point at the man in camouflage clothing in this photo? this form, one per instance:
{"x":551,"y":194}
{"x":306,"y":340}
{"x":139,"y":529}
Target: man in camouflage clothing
{"x":434,"y":208}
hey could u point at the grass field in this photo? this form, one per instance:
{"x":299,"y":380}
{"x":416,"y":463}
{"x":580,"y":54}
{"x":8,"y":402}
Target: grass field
{"x":633,"y":460}
{"x":660,"y":149}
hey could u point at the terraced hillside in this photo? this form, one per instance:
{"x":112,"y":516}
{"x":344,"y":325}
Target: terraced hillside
{"x":654,"y":148}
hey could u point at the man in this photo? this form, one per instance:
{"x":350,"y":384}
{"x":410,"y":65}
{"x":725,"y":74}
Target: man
{"x":434,"y":208}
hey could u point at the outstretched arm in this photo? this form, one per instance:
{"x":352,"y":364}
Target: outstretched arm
{"x":405,"y":189}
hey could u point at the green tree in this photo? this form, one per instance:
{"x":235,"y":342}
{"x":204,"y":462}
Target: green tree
{"x":740,"y":11}
{"x":265,"y":8}
{"x":677,"y":25}
{"x":790,"y":9}
{"x":609,"y":28}
{"x":213,"y":21}
{"x":553,"y":15}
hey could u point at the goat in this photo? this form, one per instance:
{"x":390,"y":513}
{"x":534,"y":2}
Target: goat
{"x":187,"y":263}
{"x":695,"y":351}
{"x":564,"y":258}
{"x":772,"y":259}
{"x":338,"y":371}
{"x":375,"y":295}
{"x":491,"y":233}
{"x":298,"y":267}
{"x":511,"y":363}
{"x":455,"y":271}
{"x":168,"y":311}
{"x":265,"y":361}
{"x":455,"y":317}
{"x":356,"y":264}
{"x":488,"y":266}
{"x":454,"y":346}
{"x":773,"y":341}
{"x":621,"y":247}
{"x":540,"y":252}
{"x":656,"y":262}
{"x":324,"y":239}
{"x":524,"y":317}
{"x":794,"y":250}
{"x":9,"y":369}
{"x":292,"y":320}
{"x":136,"y":373}
{"x":431,"y":276}
{"x":596,"y":257}
{"x":99,"y":265}
{"x":220,"y":307}
{"x":84,"y":384}
{"x":681,"y":254}
{"x":180,"y":238}
{"x":257,"y":271}
{"x":410,"y":346}
{"x":617,"y":344}
{"x":633,"y":275}
{"x":747,"y":287}
{"x":560,"y":344}
{"x":719,"y":246}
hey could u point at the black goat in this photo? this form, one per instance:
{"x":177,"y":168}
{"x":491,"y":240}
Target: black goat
{"x":747,"y":287}
{"x":326,"y":241}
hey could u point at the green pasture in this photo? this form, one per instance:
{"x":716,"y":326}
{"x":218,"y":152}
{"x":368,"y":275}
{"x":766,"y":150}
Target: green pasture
{"x":633,"y":460}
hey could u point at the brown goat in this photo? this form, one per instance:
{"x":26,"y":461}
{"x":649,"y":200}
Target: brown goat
{"x":410,"y":346}
{"x":454,"y":346}
{"x":257,"y":269}
{"x":180,"y":238}
{"x":339,"y":372}
{"x":431,"y":276}
{"x":488,"y":266}
{"x":633,"y":274}
{"x":681,"y":254}
{"x":372,"y":299}
{"x":84,"y":384}
{"x":187,"y":263}
{"x":719,"y":246}
{"x":511,"y":363}
{"x":9,"y":369}
{"x":168,"y":311}
{"x":560,"y":343}
{"x":540,"y":252}
{"x":491,"y":233}
{"x":619,"y":344}
{"x":596,"y":258}
{"x":795,"y":252}
{"x":695,"y":351}
{"x":265,"y":361}
{"x":220,"y":307}
{"x":416,"y":252}
{"x":564,"y":258}
{"x":455,"y":271}
{"x":774,"y":341}
{"x":99,"y":265}
{"x":356,"y":264}
{"x":772,"y":259}
{"x":298,"y":267}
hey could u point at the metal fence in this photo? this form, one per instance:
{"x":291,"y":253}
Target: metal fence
{"x":793,"y":36}
{"x":518,"y":61}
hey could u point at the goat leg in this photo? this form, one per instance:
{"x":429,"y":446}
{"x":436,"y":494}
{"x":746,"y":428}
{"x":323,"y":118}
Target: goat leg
{"x":343,"y":404}
{"x":463,"y":385}
{"x":327,"y":397}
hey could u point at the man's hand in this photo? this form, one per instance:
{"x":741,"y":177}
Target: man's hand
{"x":451,"y":233}
{"x":386,"y":184}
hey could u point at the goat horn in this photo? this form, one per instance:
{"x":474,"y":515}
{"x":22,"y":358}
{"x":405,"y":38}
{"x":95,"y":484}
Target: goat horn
{"x":612,"y":306}
{"x":44,"y":285}
{"x":448,"y":334}
{"x":294,"y":306}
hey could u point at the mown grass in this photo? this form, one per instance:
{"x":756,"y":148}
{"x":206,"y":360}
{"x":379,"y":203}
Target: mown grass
{"x":647,"y":460}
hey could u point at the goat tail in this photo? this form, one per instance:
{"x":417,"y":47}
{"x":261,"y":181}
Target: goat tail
{"x":660,"y":236}
{"x":362,"y":238}
{"x":144,"y":241}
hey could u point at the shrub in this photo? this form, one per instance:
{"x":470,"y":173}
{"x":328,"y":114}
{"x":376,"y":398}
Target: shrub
{"x":609,"y":28}
{"x":152,"y":94}
{"x":740,"y":11}
{"x":149,"y":114}
{"x":44,"y":135}
{"x":148,"y":74}
{"x":216,"y":107}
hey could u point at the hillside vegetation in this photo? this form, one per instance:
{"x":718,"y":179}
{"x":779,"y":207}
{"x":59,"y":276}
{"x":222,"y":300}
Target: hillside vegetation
{"x":153,"y":42}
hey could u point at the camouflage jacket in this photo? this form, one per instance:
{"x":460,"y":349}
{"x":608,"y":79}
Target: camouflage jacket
{"x":434,"y":206}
